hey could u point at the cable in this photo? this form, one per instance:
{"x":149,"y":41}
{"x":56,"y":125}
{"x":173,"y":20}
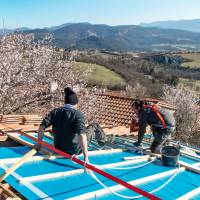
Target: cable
{"x":129,"y":197}
{"x":123,"y":168}
{"x":107,"y":188}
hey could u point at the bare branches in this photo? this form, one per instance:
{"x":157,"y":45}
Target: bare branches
{"x":187,"y":114}
{"x":33,"y":75}
{"x":138,"y":91}
{"x":90,"y":104}
{"x":31,"y":70}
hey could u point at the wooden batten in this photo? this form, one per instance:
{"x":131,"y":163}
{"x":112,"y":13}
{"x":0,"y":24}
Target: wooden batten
{"x":8,"y":191}
{"x":50,"y":176}
{"x":55,"y":156}
{"x":115,"y":188}
{"x":17,"y":164}
{"x":3,"y":138}
{"x":78,"y":171}
{"x":31,"y":187}
{"x":190,"y":167}
{"x":136,"y":157}
{"x":191,"y":156}
{"x":190,"y":194}
{"x":15,"y":137}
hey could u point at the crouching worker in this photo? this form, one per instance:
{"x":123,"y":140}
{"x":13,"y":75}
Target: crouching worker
{"x":160,"y":119}
{"x":68,"y":126}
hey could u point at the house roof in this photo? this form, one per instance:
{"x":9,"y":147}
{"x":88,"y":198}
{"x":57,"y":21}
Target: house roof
{"x":115,"y":115}
{"x":116,"y":110}
{"x":59,"y":178}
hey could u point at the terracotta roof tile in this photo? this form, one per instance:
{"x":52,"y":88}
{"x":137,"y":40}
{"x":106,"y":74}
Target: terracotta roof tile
{"x":115,"y":111}
{"x":118,"y":110}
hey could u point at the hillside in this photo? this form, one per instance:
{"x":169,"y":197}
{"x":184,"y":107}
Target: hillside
{"x":150,"y":70}
{"x":191,"y":60}
{"x":101,"y":76}
{"x":120,"y":38}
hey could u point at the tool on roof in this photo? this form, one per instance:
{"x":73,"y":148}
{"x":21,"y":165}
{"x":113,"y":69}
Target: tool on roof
{"x":92,"y":168}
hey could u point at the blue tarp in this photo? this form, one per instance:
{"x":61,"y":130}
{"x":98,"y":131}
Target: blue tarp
{"x":75,"y":185}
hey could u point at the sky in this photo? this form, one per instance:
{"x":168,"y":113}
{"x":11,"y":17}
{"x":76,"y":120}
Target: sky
{"x":47,"y":13}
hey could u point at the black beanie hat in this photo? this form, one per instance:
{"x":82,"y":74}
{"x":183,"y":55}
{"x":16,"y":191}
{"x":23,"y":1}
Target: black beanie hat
{"x":70,"y":96}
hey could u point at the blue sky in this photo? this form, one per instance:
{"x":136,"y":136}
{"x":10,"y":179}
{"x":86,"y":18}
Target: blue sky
{"x":42,"y":13}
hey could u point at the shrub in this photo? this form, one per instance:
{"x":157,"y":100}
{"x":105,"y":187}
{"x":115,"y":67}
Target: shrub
{"x":187,"y":113}
{"x":33,"y":74}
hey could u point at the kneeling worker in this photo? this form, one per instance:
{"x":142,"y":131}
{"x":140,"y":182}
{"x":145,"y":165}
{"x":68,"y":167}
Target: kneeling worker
{"x":161,"y":120}
{"x":68,"y":126}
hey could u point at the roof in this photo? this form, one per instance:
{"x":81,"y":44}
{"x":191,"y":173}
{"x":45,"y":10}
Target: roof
{"x":114,"y":116}
{"x":116,"y":110}
{"x":44,"y":177}
{"x":60,"y":178}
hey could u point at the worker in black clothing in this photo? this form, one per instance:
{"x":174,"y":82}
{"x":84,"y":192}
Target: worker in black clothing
{"x":160,"y":119}
{"x":68,"y":126}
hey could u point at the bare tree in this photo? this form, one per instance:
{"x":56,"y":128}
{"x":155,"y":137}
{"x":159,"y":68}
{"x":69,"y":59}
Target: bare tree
{"x":137,"y":91}
{"x":92,"y":104}
{"x":187,"y":113}
{"x":32,"y":73}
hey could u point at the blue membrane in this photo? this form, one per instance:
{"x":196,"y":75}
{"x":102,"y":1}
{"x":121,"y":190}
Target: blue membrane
{"x":197,"y":197}
{"x":45,"y":139}
{"x":76,"y":185}
{"x":183,"y":183}
{"x":13,"y":152}
{"x":188,"y":160}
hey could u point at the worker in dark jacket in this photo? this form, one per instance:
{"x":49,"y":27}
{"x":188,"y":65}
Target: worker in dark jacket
{"x":160,"y":119}
{"x":68,"y":126}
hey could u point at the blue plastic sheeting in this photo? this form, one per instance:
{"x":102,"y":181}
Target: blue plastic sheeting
{"x":188,"y":160}
{"x":75,"y":185}
{"x":184,"y":182}
{"x":46,"y":139}
{"x":197,"y":197}
{"x":62,"y":164}
{"x":13,"y":152}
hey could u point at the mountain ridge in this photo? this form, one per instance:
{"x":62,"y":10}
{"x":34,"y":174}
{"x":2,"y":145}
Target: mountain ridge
{"x":189,"y":25}
{"x":121,"y":38}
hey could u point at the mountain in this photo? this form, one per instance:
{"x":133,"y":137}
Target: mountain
{"x":119,"y":38}
{"x":189,"y":25}
{"x":5,"y":31}
{"x":22,"y":29}
{"x":53,"y":28}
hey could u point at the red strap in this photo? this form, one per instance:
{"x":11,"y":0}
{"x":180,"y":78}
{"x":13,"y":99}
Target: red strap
{"x":95,"y":169}
{"x":155,"y":110}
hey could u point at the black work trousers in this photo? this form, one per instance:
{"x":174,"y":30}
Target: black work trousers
{"x":161,"y":135}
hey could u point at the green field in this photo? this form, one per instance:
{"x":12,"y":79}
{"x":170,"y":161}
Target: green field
{"x":193,"y":60}
{"x":189,"y":84}
{"x":101,"y":76}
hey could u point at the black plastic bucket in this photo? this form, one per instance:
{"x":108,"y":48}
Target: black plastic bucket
{"x":170,"y":155}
